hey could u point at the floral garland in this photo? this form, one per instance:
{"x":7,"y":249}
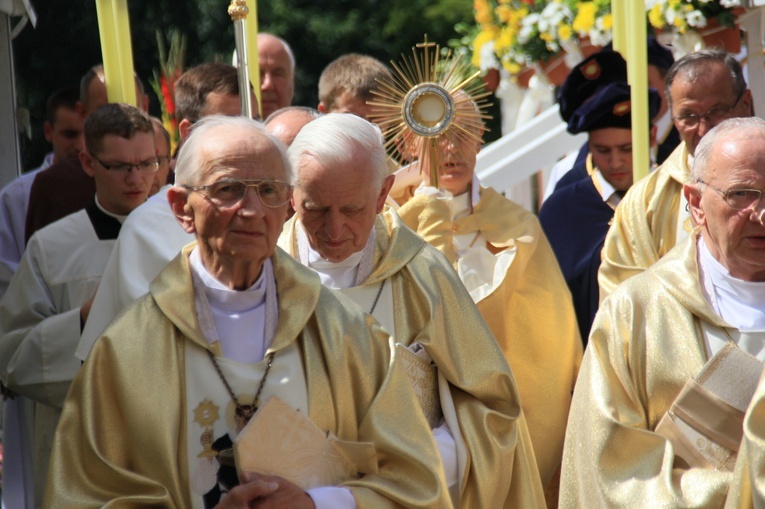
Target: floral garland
{"x":518,"y":33}
{"x":682,"y":15}
{"x":514,"y":34}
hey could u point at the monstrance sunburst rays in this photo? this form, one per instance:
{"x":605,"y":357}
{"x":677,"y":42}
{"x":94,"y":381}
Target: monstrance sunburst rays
{"x":429,"y":101}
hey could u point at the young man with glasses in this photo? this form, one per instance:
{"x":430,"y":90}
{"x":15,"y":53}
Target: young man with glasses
{"x":49,"y":297}
{"x":703,"y":88}
{"x":658,"y":330}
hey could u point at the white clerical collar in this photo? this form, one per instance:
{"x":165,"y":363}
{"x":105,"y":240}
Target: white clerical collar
{"x":243,"y":322}
{"x":352,"y":271}
{"x":223,"y":297}
{"x":739,"y":303}
{"x":606,"y":190}
{"x":460,"y":205}
{"x":119,"y":218}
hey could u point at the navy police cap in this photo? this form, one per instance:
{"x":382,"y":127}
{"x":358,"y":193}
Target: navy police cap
{"x":610,"y":107}
{"x":592,"y":74}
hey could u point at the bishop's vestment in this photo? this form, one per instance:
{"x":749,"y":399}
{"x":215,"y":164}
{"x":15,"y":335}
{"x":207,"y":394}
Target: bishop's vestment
{"x":127,"y":428}
{"x":430,"y":307}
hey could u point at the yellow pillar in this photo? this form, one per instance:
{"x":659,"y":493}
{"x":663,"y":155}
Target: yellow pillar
{"x":251,"y":26}
{"x":637,"y":76}
{"x":619,"y":28}
{"x":116,"y":50}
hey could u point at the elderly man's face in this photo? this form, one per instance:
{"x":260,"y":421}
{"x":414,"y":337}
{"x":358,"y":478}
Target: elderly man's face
{"x":245,"y":233}
{"x":277,"y":78}
{"x":711,"y":93}
{"x":736,"y":238}
{"x":337,"y":205}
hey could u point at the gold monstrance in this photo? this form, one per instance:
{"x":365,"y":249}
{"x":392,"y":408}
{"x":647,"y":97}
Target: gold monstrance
{"x":426,"y":102}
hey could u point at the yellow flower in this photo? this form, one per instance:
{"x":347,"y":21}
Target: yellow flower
{"x":585,"y":17}
{"x":564,"y":32}
{"x":546,"y":36}
{"x":483,"y":14}
{"x":672,"y":4}
{"x":608,"y":21}
{"x":511,"y":66}
{"x":680,"y":24}
{"x":504,"y":40}
{"x":504,"y":13}
{"x":482,"y":38}
{"x":655,"y":16}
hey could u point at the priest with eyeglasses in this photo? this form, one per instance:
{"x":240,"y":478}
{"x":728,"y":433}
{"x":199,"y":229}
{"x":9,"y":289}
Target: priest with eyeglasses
{"x":653,"y":422}
{"x":181,"y":398}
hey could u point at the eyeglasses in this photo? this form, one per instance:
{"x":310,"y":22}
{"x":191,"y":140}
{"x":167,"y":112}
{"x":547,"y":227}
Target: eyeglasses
{"x":713,"y":116}
{"x":229,"y":192}
{"x":738,"y":199}
{"x":148,"y":165}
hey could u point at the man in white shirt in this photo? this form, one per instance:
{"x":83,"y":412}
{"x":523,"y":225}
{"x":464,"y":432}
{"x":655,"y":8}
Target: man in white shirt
{"x":658,"y":329}
{"x":48,"y":300}
{"x":341,"y":231}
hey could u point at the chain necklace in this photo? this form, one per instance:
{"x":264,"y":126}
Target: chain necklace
{"x":377,"y":297}
{"x":243,"y":413}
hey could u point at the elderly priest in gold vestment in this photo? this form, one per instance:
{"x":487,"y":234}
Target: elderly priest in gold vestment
{"x":231,"y":324}
{"x":659,"y":329}
{"x":703,"y":88}
{"x":464,"y":383}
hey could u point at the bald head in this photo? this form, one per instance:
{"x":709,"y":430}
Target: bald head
{"x":240,"y":138}
{"x":277,"y":73}
{"x":286,"y":123}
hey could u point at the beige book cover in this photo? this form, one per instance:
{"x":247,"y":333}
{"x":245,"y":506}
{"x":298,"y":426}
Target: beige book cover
{"x":285,"y":442}
{"x":705,"y":422}
{"x":423,"y":377}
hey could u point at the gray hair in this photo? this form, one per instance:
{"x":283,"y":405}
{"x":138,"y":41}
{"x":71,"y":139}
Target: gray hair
{"x":742,"y":128}
{"x":188,"y":165}
{"x":693,"y":65}
{"x":337,"y":138}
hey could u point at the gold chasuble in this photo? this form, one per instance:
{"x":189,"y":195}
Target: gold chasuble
{"x":645,"y":224}
{"x":747,"y":489}
{"x":645,"y":344}
{"x":122,"y":438}
{"x":430,"y":307}
{"x":528,"y":309}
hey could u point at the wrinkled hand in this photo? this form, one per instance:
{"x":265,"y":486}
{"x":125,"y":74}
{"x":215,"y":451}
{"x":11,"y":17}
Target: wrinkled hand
{"x":266,"y":492}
